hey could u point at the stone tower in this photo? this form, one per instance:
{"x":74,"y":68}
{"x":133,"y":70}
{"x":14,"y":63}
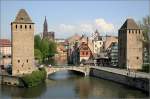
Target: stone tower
{"x":22,"y":31}
{"x":130,"y":45}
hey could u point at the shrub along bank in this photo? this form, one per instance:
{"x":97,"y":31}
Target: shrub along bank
{"x":35,"y":78}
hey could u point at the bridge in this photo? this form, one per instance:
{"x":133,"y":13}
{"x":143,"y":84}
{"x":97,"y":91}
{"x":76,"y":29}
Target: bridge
{"x":82,"y":69}
{"x":86,"y":70}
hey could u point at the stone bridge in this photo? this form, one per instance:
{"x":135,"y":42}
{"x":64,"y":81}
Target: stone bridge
{"x":83,"y":69}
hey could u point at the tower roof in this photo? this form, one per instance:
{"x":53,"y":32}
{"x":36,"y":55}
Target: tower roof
{"x":129,"y":24}
{"x":45,"y":21}
{"x":23,"y":17}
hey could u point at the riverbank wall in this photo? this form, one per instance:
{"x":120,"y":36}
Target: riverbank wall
{"x":139,"y":83}
{"x":10,"y":80}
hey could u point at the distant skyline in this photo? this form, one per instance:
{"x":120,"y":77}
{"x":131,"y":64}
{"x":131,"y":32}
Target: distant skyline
{"x":66,"y":17}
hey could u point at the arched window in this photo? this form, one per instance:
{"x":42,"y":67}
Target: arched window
{"x":30,"y":26}
{"x":20,"y":26}
{"x":129,"y":31}
{"x":16,"y":26}
{"x":27,"y":60}
{"x":25,"y":26}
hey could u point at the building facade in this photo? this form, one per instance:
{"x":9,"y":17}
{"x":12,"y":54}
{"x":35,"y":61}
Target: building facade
{"x":130,"y":45}
{"x":84,"y":51}
{"x":22,"y":30}
{"x":5,"y":51}
{"x":97,"y":43}
{"x":61,"y":57}
{"x":114,"y":54}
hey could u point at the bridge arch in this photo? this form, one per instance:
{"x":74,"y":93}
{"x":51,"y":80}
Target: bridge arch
{"x":76,"y":69}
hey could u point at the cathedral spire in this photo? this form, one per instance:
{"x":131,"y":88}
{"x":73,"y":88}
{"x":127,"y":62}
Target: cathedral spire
{"x":45,"y":26}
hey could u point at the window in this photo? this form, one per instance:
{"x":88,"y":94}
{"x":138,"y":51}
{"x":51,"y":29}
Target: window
{"x":27,"y":60}
{"x":137,"y":57}
{"x":30,"y":26}
{"x":18,"y":61}
{"x":20,"y":26}
{"x":86,"y":53}
{"x":82,"y":53}
{"x":25,"y":26}
{"x":16,"y":26}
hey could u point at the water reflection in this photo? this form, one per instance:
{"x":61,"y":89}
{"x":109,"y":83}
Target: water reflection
{"x":15,"y":92}
{"x":67,"y":85}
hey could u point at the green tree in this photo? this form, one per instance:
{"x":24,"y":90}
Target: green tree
{"x":44,"y":48}
{"x":38,"y":55}
{"x":52,"y":48}
{"x":37,"y":42}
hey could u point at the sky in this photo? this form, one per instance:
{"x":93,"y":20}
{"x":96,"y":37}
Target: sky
{"x":67,"y":17}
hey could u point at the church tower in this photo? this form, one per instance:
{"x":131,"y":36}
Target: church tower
{"x":130,"y":45}
{"x":45,"y":28}
{"x":22,"y":31}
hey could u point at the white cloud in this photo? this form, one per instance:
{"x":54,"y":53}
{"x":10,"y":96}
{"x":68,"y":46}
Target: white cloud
{"x":103,"y":26}
{"x":66,"y":30}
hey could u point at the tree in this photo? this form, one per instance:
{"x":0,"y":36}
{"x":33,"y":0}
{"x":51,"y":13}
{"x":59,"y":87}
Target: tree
{"x":44,"y":48}
{"x":37,"y":42}
{"x":38,"y":55}
{"x":52,"y":48}
{"x":145,"y":26}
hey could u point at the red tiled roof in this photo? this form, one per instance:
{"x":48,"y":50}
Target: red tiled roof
{"x":5,"y":43}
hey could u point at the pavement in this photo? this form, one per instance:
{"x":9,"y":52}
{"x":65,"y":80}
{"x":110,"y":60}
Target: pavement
{"x":125,"y":72}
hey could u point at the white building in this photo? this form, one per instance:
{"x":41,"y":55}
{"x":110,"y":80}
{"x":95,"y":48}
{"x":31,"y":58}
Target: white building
{"x":97,"y":43}
{"x":5,"y":51}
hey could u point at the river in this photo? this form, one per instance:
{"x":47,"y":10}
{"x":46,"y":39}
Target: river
{"x":68,"y":85}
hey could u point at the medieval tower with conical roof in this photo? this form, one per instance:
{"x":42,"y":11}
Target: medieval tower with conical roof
{"x":130,"y":45}
{"x":22,"y":30}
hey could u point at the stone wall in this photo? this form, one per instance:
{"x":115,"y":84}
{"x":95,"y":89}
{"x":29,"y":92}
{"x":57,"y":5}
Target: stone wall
{"x":139,"y":83}
{"x":10,"y":80}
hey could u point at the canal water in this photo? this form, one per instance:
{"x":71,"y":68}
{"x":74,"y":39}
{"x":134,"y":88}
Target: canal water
{"x":69,"y":85}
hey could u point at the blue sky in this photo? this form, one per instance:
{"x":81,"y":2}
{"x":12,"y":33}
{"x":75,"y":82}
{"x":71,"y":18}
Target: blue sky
{"x":69,"y":17}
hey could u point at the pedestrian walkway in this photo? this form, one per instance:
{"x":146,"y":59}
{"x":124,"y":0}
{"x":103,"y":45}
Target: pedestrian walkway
{"x":136,"y":74}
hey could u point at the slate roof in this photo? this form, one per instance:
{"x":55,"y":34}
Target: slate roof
{"x":129,"y":24}
{"x":22,"y":17}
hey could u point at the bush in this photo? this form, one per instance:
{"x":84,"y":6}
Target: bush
{"x":146,"y":68}
{"x":35,"y":78}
